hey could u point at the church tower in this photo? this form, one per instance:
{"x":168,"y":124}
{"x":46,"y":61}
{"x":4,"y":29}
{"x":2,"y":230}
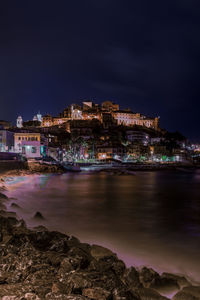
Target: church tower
{"x":19,"y":122}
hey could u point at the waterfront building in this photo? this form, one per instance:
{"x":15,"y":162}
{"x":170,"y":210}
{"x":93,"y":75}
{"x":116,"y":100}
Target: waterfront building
{"x":6,"y":141}
{"x":31,"y":145}
{"x":110,"y":150}
{"x":138,"y":151}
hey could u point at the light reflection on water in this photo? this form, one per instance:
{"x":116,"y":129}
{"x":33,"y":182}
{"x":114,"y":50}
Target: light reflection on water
{"x":152,"y":218}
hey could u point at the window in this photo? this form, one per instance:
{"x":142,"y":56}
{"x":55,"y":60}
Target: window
{"x":19,"y":138}
{"x":34,"y":150}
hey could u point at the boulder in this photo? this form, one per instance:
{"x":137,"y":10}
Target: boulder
{"x":3,"y":197}
{"x":14,"y":205}
{"x":38,"y":216}
{"x":131,"y":278}
{"x":147,"y":275}
{"x":125,"y":294}
{"x":151,"y":279}
{"x":99,"y":252}
{"x":149,"y":294}
{"x":181,"y":280}
{"x":165,"y":285}
{"x":55,"y":296}
{"x":96,"y":293}
{"x":188,"y":293}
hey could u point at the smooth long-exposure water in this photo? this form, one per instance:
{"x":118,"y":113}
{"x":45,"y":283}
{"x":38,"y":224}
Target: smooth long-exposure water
{"x":150,"y":218}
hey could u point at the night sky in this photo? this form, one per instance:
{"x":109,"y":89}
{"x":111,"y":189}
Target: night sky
{"x":142,"y":54}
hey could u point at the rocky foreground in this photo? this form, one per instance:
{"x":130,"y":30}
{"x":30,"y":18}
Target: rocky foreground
{"x":38,"y":264}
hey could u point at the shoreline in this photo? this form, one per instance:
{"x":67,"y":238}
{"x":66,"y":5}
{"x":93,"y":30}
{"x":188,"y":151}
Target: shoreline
{"x":14,"y":167}
{"x":136,"y":284}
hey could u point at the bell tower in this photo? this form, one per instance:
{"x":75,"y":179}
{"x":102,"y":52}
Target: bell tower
{"x":19,"y":122}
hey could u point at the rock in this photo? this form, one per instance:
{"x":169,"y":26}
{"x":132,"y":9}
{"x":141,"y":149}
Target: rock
{"x":53,"y":296}
{"x":39,"y":264}
{"x":96,"y":293}
{"x":99,"y":252}
{"x":149,"y":294}
{"x":2,"y":206}
{"x":3,"y":196}
{"x":31,"y":296}
{"x":52,"y":241}
{"x":10,"y":298}
{"x":79,"y":258}
{"x":124,"y":294}
{"x":165,"y":285}
{"x":151,"y":279}
{"x":38,"y":216}
{"x":58,"y":287}
{"x":131,"y":278}
{"x":39,"y":228}
{"x":188,"y":293}
{"x":14,"y":205}
{"x":7,"y":214}
{"x":181,"y":280}
{"x":147,"y":276}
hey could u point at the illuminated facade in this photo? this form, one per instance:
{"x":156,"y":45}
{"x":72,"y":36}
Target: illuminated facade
{"x":109,"y":106}
{"x":90,"y":111}
{"x":128,"y":118}
{"x":6,"y":141}
{"x":38,"y":117}
{"x":19,"y":122}
{"x":28,"y":144}
{"x":48,"y":121}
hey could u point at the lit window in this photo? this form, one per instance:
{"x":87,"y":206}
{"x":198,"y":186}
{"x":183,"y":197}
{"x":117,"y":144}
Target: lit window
{"x":34,"y":150}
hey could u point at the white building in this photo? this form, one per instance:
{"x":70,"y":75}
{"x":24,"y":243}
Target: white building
{"x":29,"y":144}
{"x":19,"y":122}
{"x":38,"y":117}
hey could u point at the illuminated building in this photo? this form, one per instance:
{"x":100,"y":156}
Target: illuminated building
{"x":137,"y":136}
{"x":19,"y":122}
{"x":108,"y":114}
{"x":109,"y":106}
{"x":38,"y":117}
{"x":6,"y":141}
{"x":128,"y":118}
{"x":48,"y":121}
{"x":29,"y":144}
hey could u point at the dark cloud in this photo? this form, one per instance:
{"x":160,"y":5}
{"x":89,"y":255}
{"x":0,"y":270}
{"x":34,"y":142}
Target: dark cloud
{"x":143,"y":54}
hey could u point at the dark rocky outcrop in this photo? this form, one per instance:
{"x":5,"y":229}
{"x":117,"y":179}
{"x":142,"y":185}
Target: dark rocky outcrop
{"x":38,"y":216}
{"x":14,"y":205}
{"x":38,"y":264}
{"x":188,"y":293}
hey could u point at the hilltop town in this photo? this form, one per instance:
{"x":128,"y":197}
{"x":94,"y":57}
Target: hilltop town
{"x":91,"y":133}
